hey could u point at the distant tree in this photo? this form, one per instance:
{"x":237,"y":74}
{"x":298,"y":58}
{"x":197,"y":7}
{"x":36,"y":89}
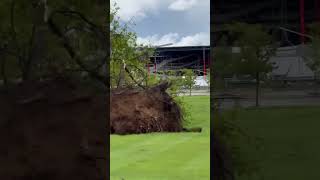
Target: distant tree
{"x":256,"y":48}
{"x":189,"y":79}
{"x":208,"y":77}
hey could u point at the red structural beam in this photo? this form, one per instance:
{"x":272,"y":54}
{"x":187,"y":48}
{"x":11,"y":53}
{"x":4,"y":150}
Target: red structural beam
{"x":302,"y":23}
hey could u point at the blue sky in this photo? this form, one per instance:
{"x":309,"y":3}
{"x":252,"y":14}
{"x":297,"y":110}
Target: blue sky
{"x":158,"y":22}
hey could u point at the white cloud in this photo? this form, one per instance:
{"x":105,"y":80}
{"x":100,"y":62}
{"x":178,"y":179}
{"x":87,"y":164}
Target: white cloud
{"x":156,"y":40}
{"x":198,"y":39}
{"x":135,"y":9}
{"x":182,"y":5}
{"x":140,"y":9}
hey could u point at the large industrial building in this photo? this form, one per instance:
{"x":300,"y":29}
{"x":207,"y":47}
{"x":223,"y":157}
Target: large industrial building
{"x":288,"y":20}
{"x":294,"y":15}
{"x":177,"y":58}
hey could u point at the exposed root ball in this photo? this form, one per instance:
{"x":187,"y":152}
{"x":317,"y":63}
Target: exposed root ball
{"x":143,"y":111}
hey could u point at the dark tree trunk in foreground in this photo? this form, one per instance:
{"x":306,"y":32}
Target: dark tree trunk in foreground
{"x":257,"y":88}
{"x":316,"y":89}
{"x":3,"y":72}
{"x":222,"y":166}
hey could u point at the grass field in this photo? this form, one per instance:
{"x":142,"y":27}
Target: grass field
{"x":291,"y":141}
{"x":165,"y":156}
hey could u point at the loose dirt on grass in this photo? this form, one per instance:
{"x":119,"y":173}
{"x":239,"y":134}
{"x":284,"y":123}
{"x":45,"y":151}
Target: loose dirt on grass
{"x":52,"y":130}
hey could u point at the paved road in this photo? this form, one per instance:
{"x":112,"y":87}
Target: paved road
{"x":268,"y":98}
{"x":196,"y":93}
{"x":307,"y":101}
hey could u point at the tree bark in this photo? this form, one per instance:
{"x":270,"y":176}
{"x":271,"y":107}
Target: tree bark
{"x":257,"y":88}
{"x":315,"y":79}
{"x":3,"y":72}
{"x":222,"y":161}
{"x":25,"y":74}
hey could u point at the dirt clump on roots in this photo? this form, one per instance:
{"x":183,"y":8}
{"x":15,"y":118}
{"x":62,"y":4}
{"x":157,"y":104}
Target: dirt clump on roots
{"x":52,"y":130}
{"x":136,"y":111}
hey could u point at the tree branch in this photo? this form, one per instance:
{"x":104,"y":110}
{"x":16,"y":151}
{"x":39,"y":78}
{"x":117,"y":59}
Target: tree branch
{"x":67,"y":45}
{"x":12,"y":24}
{"x":132,"y":78}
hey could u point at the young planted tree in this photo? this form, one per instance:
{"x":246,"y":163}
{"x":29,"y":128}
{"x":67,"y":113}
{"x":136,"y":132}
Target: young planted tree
{"x":189,"y":79}
{"x":256,"y":48}
{"x":208,"y":77}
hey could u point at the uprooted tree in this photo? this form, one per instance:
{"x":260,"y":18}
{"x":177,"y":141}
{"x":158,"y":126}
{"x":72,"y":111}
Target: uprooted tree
{"x":150,"y":110}
{"x":140,"y":102}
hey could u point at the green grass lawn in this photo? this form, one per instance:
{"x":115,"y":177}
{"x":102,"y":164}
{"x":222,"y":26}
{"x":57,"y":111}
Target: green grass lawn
{"x":291,"y":141}
{"x":165,"y":156}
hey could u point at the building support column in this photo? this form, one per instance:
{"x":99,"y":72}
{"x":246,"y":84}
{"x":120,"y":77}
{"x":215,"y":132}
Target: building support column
{"x":204,"y":63}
